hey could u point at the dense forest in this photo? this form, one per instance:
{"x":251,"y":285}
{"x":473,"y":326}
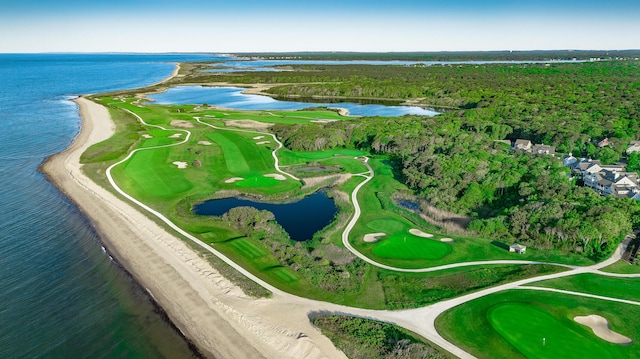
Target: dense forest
{"x":456,"y":160}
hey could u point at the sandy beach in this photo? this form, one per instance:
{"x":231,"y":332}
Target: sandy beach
{"x":216,"y":315}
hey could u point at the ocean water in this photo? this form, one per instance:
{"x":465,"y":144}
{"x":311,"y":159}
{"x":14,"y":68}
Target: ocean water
{"x":61,"y":295}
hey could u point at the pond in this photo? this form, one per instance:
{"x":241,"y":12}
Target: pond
{"x":299,"y":219}
{"x":233,"y":98}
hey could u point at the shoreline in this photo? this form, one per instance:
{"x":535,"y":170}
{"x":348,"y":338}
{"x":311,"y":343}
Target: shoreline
{"x":211,"y":312}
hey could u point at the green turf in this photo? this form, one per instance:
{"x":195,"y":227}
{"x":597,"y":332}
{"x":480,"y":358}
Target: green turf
{"x":623,"y":288}
{"x":622,"y":267}
{"x":407,"y":246}
{"x":537,"y":334}
{"x":258,"y":181}
{"x":511,"y":324}
{"x":151,"y":173}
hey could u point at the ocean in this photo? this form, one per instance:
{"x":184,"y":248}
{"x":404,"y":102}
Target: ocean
{"x":61,"y":294}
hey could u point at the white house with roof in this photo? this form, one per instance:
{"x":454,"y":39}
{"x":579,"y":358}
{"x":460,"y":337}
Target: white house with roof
{"x":634,"y":146}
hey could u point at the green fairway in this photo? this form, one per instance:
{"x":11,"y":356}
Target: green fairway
{"x":538,"y":334}
{"x":623,"y":288}
{"x":407,"y":246}
{"x":534,"y":324}
{"x":152,"y":174}
{"x":258,"y":181}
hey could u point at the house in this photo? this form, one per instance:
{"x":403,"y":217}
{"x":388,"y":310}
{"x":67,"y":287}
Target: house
{"x":524,"y":145}
{"x":569,"y":160}
{"x":634,"y":146}
{"x":604,"y":143}
{"x":518,"y":248}
{"x":544,"y":150}
{"x":611,"y":182}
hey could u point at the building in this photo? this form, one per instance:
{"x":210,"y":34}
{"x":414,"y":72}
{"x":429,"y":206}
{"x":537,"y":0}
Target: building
{"x":518,"y":248}
{"x":523,"y":145}
{"x":634,"y":146}
{"x":607,"y":180}
{"x":543,"y":150}
{"x":604,"y":143}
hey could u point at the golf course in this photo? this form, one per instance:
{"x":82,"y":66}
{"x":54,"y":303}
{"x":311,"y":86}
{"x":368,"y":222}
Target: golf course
{"x":463,"y":292}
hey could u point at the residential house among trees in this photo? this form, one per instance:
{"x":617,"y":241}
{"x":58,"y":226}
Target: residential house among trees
{"x":544,"y":150}
{"x":607,"y":180}
{"x":634,"y":146}
{"x":523,"y":145}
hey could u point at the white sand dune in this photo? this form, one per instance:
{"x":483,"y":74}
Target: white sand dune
{"x":419,"y":233}
{"x":373,"y":237}
{"x":446,"y":240}
{"x":600,"y":327}
{"x":258,"y":137}
{"x":206,"y":143}
{"x":181,"y":165}
{"x":175,"y":135}
{"x":262,"y":143}
{"x":277,"y":176}
{"x":146,"y":135}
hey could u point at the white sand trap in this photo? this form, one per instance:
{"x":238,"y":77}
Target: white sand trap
{"x":446,"y":240}
{"x":181,"y":165}
{"x":206,"y":143}
{"x":233,"y":179}
{"x":181,"y":123}
{"x":373,"y":237}
{"x":600,"y":327}
{"x":262,"y":143}
{"x":419,"y":233}
{"x":258,"y":137}
{"x":251,"y":124}
{"x":146,"y":135}
{"x":322,"y":121}
{"x":175,"y":135}
{"x":277,"y":176}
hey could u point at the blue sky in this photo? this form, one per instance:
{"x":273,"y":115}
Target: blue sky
{"x":326,"y":25}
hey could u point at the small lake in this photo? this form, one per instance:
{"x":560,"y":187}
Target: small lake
{"x":300,"y":219}
{"x":233,"y":98}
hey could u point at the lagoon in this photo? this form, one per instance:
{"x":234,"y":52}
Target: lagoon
{"x":233,"y":98}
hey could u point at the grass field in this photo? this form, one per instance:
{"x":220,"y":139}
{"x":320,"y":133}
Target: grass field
{"x":532,"y":324}
{"x":623,"y":288}
{"x":622,"y":267}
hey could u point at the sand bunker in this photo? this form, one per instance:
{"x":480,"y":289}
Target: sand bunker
{"x":322,"y":121}
{"x":181,"y":123}
{"x":206,"y":143}
{"x":180,"y":164}
{"x":248,"y":124}
{"x":175,"y":135}
{"x":447,"y":240}
{"x":277,"y":176}
{"x":373,"y":237}
{"x":419,"y":233}
{"x":258,"y":137}
{"x":147,"y":136}
{"x":262,"y":143}
{"x":600,"y":327}
{"x":233,"y":179}
{"x":341,"y":111}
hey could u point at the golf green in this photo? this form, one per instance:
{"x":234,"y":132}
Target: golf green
{"x":537,"y":334}
{"x":404,"y":245}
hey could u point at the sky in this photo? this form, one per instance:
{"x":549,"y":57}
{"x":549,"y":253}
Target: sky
{"x":321,"y":25}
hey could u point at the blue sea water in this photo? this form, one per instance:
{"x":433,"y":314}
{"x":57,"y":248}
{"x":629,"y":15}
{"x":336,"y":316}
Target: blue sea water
{"x":61,"y":295}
